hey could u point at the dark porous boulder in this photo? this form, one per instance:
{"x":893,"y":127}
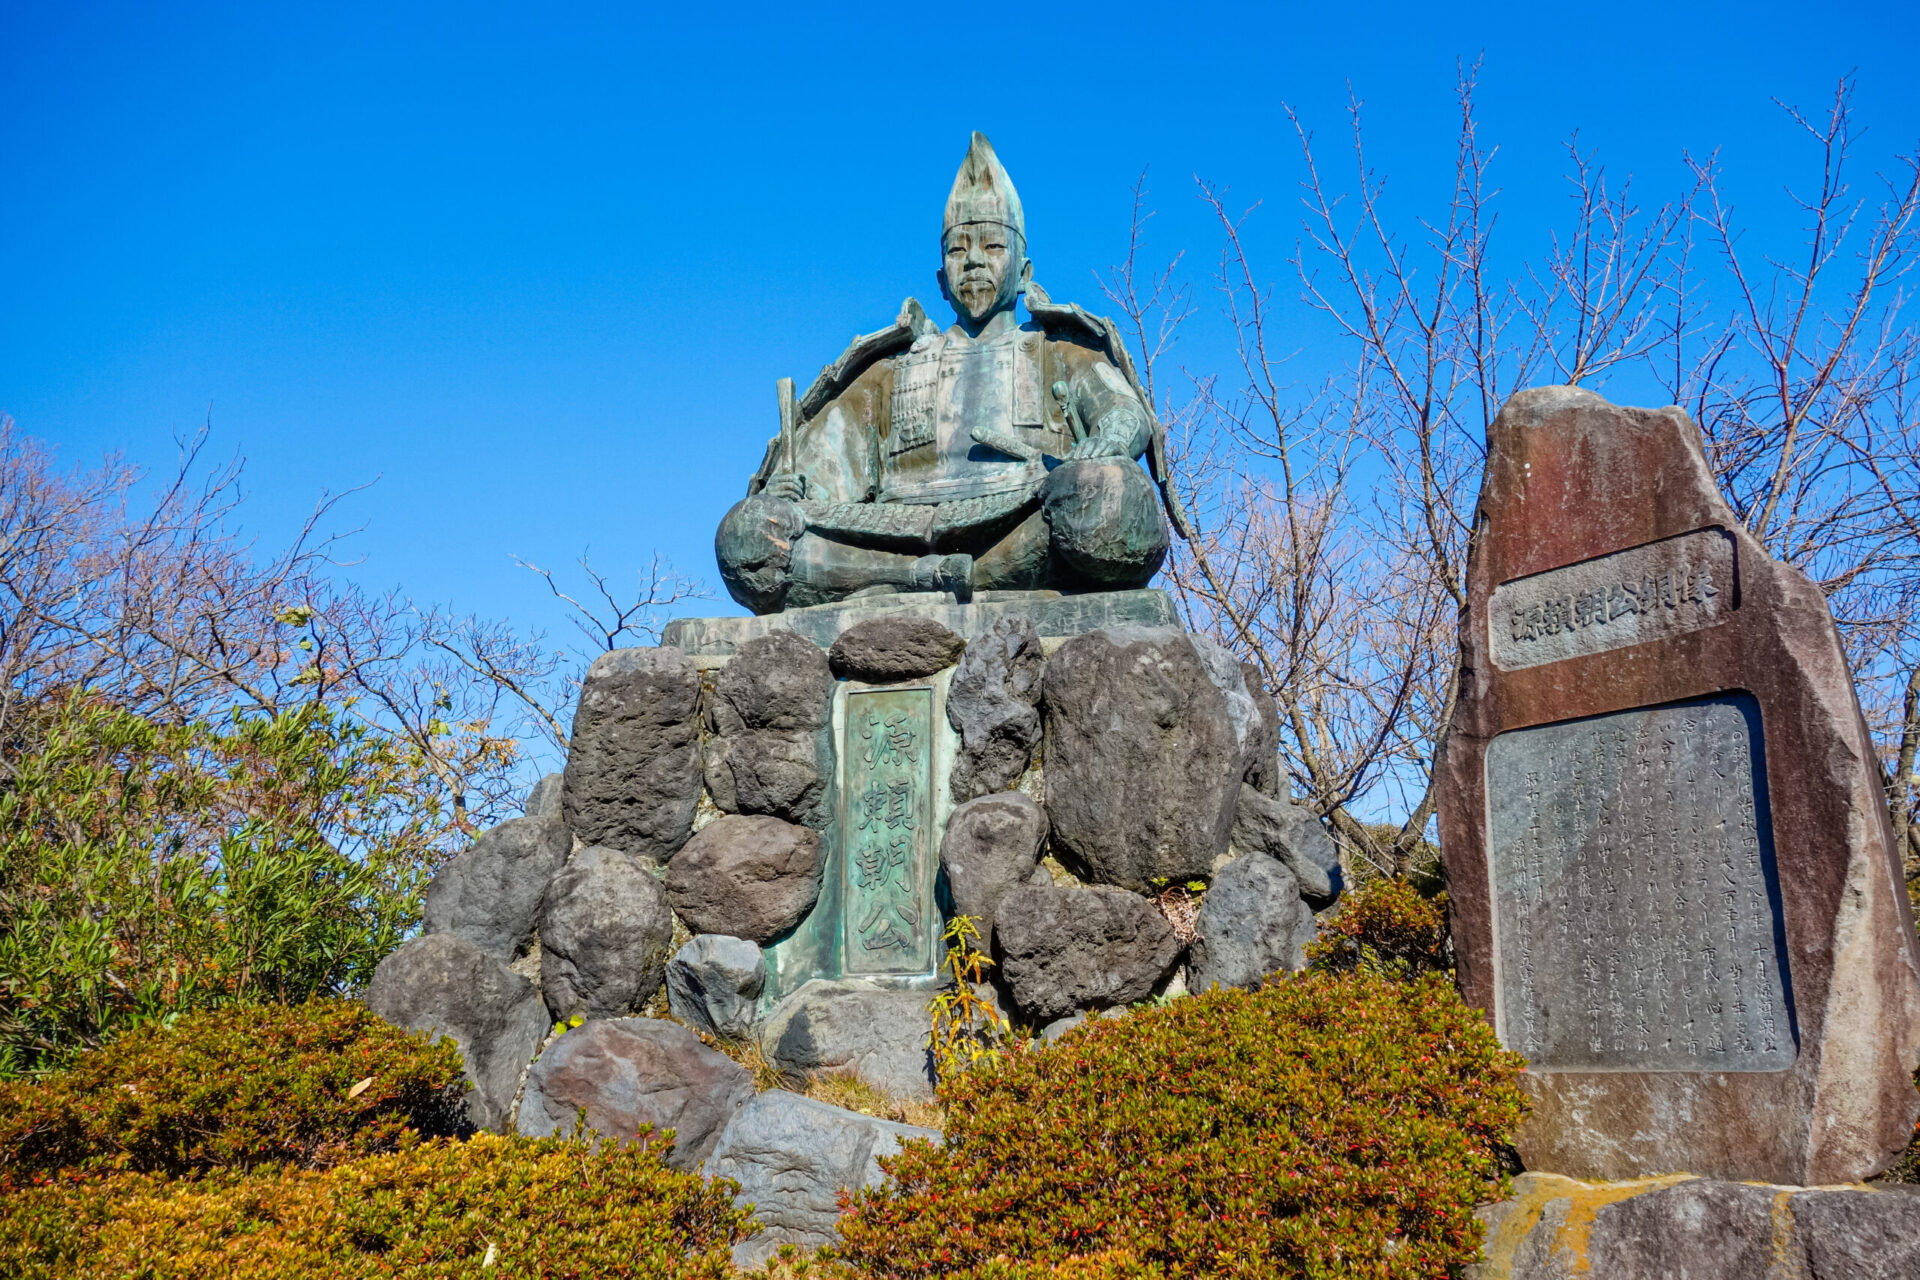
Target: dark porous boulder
{"x":894,"y":647}
{"x":604,"y":936}
{"x":1252,"y":922}
{"x":714,"y":984}
{"x":1290,"y":833}
{"x":746,"y":877}
{"x":992,"y":843}
{"x":633,"y":767}
{"x":876,"y":1034}
{"x":443,"y":985}
{"x":1263,"y":773}
{"x":993,"y":704}
{"x":792,"y":1156}
{"x":626,"y":1072}
{"x":1143,"y":763}
{"x":491,"y":894}
{"x":1062,"y":949}
{"x":769,"y":747}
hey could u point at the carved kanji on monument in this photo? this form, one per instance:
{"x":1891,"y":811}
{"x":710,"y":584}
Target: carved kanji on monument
{"x":888,"y":912}
{"x":1675,"y":885}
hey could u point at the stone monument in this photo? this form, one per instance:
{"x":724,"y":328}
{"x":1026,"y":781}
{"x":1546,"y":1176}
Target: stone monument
{"x":957,"y":694}
{"x":1675,"y":885}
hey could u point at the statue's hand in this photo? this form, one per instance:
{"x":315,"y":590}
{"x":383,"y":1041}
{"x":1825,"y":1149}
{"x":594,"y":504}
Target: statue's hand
{"x":786,"y":484}
{"x":1095,"y":446}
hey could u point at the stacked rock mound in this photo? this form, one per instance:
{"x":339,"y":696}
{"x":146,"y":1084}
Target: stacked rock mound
{"x":1096,"y":785}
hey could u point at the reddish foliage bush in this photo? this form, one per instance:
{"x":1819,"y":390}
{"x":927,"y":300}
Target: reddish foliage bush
{"x":1326,"y":1125}
{"x":1385,"y":926}
{"x":233,"y":1088}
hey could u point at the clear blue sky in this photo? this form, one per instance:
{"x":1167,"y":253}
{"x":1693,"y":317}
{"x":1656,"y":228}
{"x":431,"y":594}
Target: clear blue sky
{"x":536,"y":268}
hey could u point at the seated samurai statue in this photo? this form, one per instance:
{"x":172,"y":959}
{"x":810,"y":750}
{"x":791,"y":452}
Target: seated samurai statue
{"x":995,"y":455}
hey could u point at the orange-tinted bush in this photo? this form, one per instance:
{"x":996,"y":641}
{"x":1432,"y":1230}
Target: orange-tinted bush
{"x":1325,"y":1125}
{"x":1385,"y":926}
{"x":532,"y":1209}
{"x":235,"y":1087}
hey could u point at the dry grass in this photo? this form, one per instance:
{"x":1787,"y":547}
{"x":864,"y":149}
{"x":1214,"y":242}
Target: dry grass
{"x":1181,"y":906}
{"x":750,"y":1055}
{"x":838,"y":1089}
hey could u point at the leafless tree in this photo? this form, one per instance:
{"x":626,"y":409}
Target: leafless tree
{"x":1332,"y":508}
{"x":163,"y":607}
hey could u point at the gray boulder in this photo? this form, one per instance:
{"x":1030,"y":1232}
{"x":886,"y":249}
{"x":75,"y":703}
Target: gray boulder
{"x":993,"y":704}
{"x":1264,"y":773}
{"x":626,"y":1072}
{"x":633,"y":768}
{"x":1063,"y":949}
{"x":1143,"y":763}
{"x":746,"y":877}
{"x":714,"y":984}
{"x":604,"y":936}
{"x":1699,"y":1229}
{"x":1290,"y":833}
{"x":894,"y":647}
{"x":1059,"y":1027}
{"x":543,"y":798}
{"x":491,"y":894}
{"x":992,"y":843}
{"x":1228,"y":675}
{"x":792,"y":1156}
{"x":1251,"y":923}
{"x":852,"y":1027}
{"x":769,"y":748}
{"x":444,"y":985}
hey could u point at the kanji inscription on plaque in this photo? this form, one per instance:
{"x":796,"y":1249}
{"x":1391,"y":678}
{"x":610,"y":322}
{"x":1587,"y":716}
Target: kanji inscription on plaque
{"x":889,"y":913}
{"x":1636,"y":906}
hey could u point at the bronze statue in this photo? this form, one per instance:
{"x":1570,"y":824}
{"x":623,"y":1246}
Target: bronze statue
{"x":992,"y":456}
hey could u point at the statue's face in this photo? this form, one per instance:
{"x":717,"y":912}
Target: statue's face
{"x":983,"y":270}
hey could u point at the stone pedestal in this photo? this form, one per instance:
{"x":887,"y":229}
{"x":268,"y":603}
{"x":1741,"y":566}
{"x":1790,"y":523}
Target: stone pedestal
{"x":1674,"y":882}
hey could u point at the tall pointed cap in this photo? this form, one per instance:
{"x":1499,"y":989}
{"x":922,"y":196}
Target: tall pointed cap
{"x":982,"y":192}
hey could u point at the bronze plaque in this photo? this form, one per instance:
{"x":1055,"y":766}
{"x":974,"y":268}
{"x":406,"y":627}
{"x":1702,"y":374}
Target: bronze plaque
{"x":888,"y":909}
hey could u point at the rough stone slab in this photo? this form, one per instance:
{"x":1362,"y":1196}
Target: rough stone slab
{"x":491,"y":894}
{"x":1064,"y":950}
{"x":769,"y":748}
{"x":1143,"y":762}
{"x":1051,"y":614}
{"x":714,"y":984}
{"x":746,"y":877}
{"x":1719,"y":750}
{"x":992,"y":844}
{"x":1252,"y":922}
{"x":444,"y":985}
{"x":1289,"y":832}
{"x":632,"y":780}
{"x":875,"y":1033}
{"x":626,"y":1072}
{"x":894,"y":647}
{"x":1557,"y":1228}
{"x":604,"y":933}
{"x":792,"y":1156}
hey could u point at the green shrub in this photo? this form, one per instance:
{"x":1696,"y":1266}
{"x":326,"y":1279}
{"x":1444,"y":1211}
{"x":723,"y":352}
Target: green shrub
{"x":1385,"y":926}
{"x":515,"y":1207}
{"x":150,"y":869}
{"x":238,"y":1087}
{"x":1325,"y":1125}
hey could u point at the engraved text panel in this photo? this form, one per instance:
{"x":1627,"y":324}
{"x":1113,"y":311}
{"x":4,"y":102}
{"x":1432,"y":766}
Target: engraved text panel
{"x":1665,"y":588}
{"x":888,"y":909}
{"x":1636,"y":907}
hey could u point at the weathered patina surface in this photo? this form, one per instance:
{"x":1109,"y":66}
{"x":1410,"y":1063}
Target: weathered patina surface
{"x":992,"y":455}
{"x":1674,"y":883}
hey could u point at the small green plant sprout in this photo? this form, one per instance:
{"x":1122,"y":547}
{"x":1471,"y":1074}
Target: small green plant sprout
{"x":966,"y":1027}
